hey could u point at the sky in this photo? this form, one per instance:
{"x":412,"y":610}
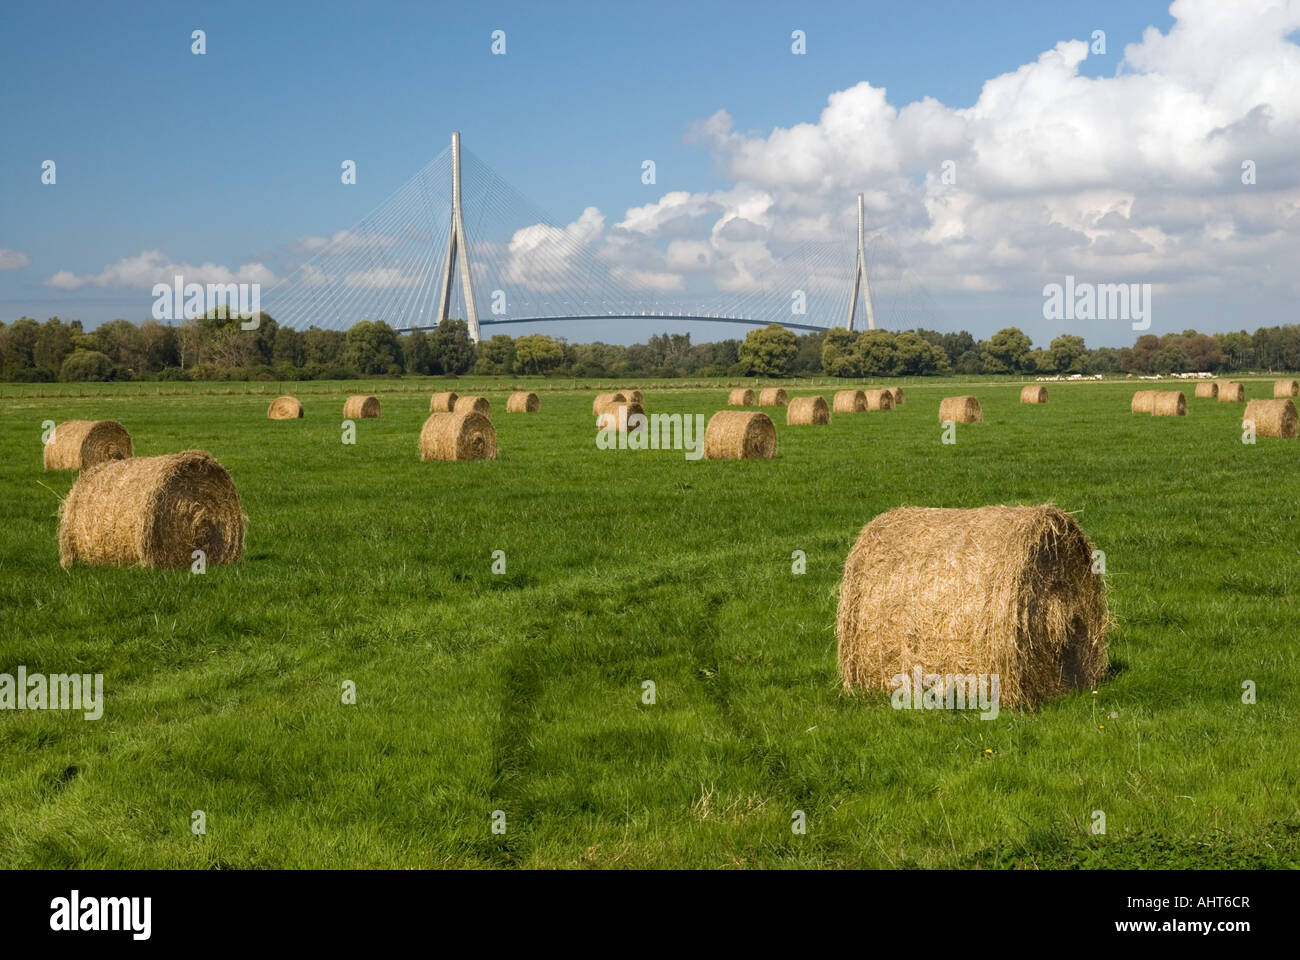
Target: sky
{"x":998,"y":149}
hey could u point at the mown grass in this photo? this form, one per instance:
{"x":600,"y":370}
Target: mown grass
{"x":522,"y":692}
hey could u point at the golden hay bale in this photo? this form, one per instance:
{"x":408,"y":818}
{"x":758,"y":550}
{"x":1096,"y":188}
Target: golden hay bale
{"x":523,"y":403}
{"x":1272,"y":418}
{"x":78,"y":444}
{"x":1169,"y":403}
{"x":605,"y":398}
{"x":736,"y":435}
{"x":772,"y":397}
{"x":1034,"y":393}
{"x":741,"y":398}
{"x":1286,"y":388}
{"x":1006,"y":591}
{"x":879,"y":399}
{"x":361,"y":408}
{"x":476,"y":404}
{"x":1143,"y":401}
{"x":615,"y":416}
{"x":807,"y":411}
{"x":1232,"y":393}
{"x":460,"y":435}
{"x":1207,"y":391}
{"x":284,"y":408}
{"x":152,"y":512}
{"x":960,"y":410}
{"x":898,"y":396}
{"x":850,"y":401}
{"x":633,"y":396}
{"x":443,"y":402}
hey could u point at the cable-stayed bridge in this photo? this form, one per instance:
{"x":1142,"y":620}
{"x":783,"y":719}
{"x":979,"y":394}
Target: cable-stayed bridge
{"x":457,"y":240}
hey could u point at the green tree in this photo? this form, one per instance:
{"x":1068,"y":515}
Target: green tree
{"x":1007,"y":351}
{"x":19,"y":347}
{"x":54,"y":342}
{"x":416,"y":354}
{"x":86,"y":365}
{"x":877,"y":353}
{"x":371,"y":347}
{"x":1067,"y":354}
{"x":837,"y":352}
{"x":496,"y":356}
{"x":769,"y":351}
{"x":451,"y":348}
{"x":537,"y":353}
{"x":918,"y":357}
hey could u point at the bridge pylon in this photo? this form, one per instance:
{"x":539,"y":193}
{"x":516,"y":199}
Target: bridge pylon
{"x":860,"y":274}
{"x":457,"y":249}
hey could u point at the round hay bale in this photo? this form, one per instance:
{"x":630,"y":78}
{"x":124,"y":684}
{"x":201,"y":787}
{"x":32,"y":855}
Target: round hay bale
{"x":284,"y":408}
{"x":1286,"y":388}
{"x":523,"y":403}
{"x":632,"y":396}
{"x":152,"y":512}
{"x":78,"y":444}
{"x":1272,"y":418}
{"x":460,"y":435}
{"x":850,"y":401}
{"x":1231,"y":392}
{"x":1169,"y":403}
{"x":995,"y":590}
{"x":960,"y":410}
{"x":898,"y":396}
{"x":476,"y":404}
{"x":617,"y":416}
{"x":1143,"y":400}
{"x":1207,"y":391}
{"x":361,"y":408}
{"x":736,"y":435}
{"x":602,"y":399}
{"x":741,"y":398}
{"x":772,"y":397}
{"x":1034,"y":393}
{"x":443,"y":402}
{"x":807,"y":411}
{"x":879,"y":399}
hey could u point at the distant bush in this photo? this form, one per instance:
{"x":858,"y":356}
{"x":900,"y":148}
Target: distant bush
{"x":83,"y":365}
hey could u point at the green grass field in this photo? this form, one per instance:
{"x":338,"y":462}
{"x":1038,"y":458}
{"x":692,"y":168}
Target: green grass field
{"x":522,"y":692}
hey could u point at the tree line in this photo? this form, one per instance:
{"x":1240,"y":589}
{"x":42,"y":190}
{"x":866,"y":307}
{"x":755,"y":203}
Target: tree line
{"x":217,"y":347}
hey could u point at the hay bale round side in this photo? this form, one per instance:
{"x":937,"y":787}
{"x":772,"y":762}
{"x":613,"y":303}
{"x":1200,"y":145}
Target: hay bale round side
{"x":78,"y":444}
{"x":1034,"y":393}
{"x":616,"y":416}
{"x":361,"y":408}
{"x":1207,"y":391}
{"x":879,"y":399}
{"x":632,"y":396}
{"x":474,"y":404}
{"x":1286,"y":388}
{"x":1231,"y":392}
{"x":995,"y":590}
{"x":1272,"y":418}
{"x":460,"y":435}
{"x":741,"y":398}
{"x":738,"y":435}
{"x":604,"y":399}
{"x":284,"y":408}
{"x":960,"y":410}
{"x":898,"y":396}
{"x":523,"y":402}
{"x":1142,"y":401}
{"x":443,"y":402}
{"x":1169,"y":403}
{"x":152,"y":512}
{"x":807,"y":411}
{"x":850,"y":401}
{"x":772,"y":397}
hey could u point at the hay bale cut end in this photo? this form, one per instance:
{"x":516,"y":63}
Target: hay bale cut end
{"x":78,"y":444}
{"x":474,"y":404}
{"x":1143,"y":401}
{"x":1286,"y":388}
{"x":1169,"y":403}
{"x":850,"y":401}
{"x":1232,"y":393}
{"x":152,"y":512}
{"x":1005,"y":591}
{"x":523,"y":403}
{"x":741,"y":398}
{"x":879,"y":399}
{"x":604,"y":399}
{"x":898,"y":396}
{"x":361,"y":408}
{"x":1272,"y":418}
{"x":284,"y":408}
{"x":960,"y":410}
{"x":807,"y":411}
{"x":460,"y":435}
{"x":1207,"y":391}
{"x":1034,"y":393}
{"x":443,"y":402}
{"x":772,"y":397}
{"x":736,"y":435}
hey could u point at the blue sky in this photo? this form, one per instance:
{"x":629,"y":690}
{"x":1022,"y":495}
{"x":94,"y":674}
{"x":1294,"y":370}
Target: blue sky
{"x":229,"y":157}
